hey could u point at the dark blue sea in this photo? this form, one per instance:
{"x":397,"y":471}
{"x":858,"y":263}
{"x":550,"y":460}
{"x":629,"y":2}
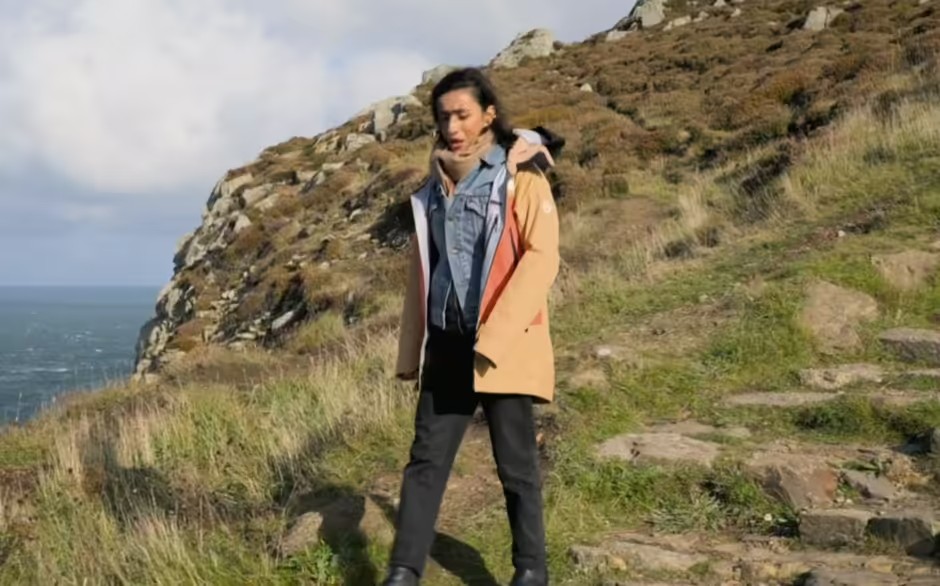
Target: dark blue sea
{"x":54,"y":340}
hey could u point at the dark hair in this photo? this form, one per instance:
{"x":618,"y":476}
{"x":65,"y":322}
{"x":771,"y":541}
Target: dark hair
{"x":473,"y":79}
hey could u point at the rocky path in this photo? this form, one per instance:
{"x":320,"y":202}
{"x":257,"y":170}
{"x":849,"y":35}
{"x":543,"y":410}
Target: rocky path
{"x":866,"y":514}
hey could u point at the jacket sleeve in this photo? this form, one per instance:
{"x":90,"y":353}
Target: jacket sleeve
{"x":528,"y":287}
{"x":411,"y":334}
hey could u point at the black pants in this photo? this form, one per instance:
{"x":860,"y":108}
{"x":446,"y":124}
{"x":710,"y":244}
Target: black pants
{"x":445,"y":407}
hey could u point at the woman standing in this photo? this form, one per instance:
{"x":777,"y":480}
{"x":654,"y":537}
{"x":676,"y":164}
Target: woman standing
{"x":475,"y":320}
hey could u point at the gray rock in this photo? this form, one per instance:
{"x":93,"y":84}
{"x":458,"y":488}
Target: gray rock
{"x":436,"y":74}
{"x":268,"y":203}
{"x":827,"y":577}
{"x":614,"y":36}
{"x":649,"y":13}
{"x":253,"y":195}
{"x":677,"y":22}
{"x":225,"y":188}
{"x":799,"y":480}
{"x":914,"y":345}
{"x":242,"y":223}
{"x":535,"y":43}
{"x":736,"y":13}
{"x":620,"y":555}
{"x":820,"y":18}
{"x":604,"y":352}
{"x":907,"y":270}
{"x":832,"y":315}
{"x":701,"y":16}
{"x":659,"y":447}
{"x":304,"y":533}
{"x":586,"y":87}
{"x":833,"y":528}
{"x":914,"y":531}
{"x":389,"y":112}
{"x":354,"y":142}
{"x":870,"y":486}
{"x":933,"y":441}
{"x":837,"y":377}
{"x":285,"y":320}
{"x":306,"y":176}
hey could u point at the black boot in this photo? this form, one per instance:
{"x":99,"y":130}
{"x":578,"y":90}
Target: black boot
{"x":529,"y":577}
{"x":401,"y":576}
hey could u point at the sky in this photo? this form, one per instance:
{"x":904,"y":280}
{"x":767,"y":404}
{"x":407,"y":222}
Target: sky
{"x":117,"y":117}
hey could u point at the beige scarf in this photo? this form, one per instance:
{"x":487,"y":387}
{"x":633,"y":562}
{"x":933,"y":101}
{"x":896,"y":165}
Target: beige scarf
{"x":450,"y":167}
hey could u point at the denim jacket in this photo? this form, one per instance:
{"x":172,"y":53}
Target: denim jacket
{"x":458,"y":236}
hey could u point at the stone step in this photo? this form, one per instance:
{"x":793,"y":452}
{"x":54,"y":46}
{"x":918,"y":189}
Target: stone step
{"x":913,"y":345}
{"x":806,"y":476}
{"x":753,"y":560}
{"x":914,"y":531}
{"x":834,"y":378}
{"x":894,"y":398}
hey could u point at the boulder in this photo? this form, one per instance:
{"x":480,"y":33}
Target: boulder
{"x":355,"y":141}
{"x":914,"y":531}
{"x":388,"y":112}
{"x":535,"y":43}
{"x":799,"y":480}
{"x":436,"y":74}
{"x":649,"y":13}
{"x":833,"y":528}
{"x":832,"y":314}
{"x":907,"y":270}
{"x":820,"y":18}
{"x":304,"y":533}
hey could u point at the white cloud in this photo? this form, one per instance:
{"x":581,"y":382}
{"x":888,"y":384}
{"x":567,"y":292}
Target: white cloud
{"x":146,"y":96}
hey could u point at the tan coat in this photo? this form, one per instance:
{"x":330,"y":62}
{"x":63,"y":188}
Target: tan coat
{"x":514,"y":348}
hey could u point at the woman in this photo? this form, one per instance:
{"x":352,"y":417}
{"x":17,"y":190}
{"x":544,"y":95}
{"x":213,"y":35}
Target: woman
{"x":475,"y":320}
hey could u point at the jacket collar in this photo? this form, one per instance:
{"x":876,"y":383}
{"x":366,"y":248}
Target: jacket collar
{"x":495,"y":156}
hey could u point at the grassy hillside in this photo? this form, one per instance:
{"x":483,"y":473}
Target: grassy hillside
{"x":713,"y":175}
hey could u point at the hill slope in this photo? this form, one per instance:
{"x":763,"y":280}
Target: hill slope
{"x":750,"y":211}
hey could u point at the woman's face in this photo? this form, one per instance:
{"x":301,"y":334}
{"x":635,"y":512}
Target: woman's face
{"x":461,"y":119}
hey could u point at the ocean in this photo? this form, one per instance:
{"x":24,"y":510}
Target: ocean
{"x":54,"y":340}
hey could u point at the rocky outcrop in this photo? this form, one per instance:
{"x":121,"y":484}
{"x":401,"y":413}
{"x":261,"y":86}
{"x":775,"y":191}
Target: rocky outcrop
{"x":535,"y":43}
{"x":382,"y":116}
{"x":821,"y":17}
{"x":436,"y":74}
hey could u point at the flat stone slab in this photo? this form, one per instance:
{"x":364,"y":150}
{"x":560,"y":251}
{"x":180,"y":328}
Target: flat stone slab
{"x":795,"y":399}
{"x":694,"y":428}
{"x":913,"y":345}
{"x":802,"y":399}
{"x":833,"y":528}
{"x":659,"y":447}
{"x":870,"y":486}
{"x":837,"y":377}
{"x":622,"y":555}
